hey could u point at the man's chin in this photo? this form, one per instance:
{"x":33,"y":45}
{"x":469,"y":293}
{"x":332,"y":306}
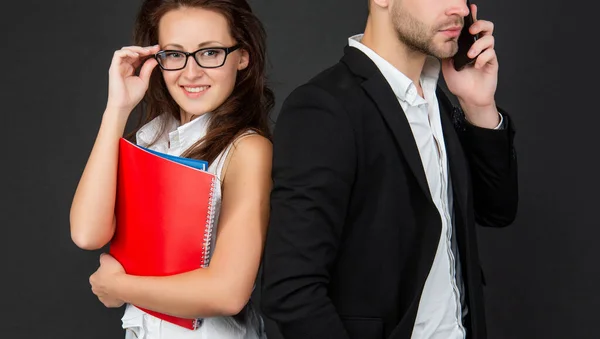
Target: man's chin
{"x":447,"y":50}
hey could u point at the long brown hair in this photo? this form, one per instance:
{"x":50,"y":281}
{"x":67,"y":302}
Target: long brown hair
{"x":249,"y":104}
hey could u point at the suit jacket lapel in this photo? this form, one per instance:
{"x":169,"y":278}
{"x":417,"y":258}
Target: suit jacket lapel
{"x":380,"y":91}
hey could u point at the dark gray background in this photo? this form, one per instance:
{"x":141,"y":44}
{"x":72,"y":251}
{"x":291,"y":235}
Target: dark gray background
{"x":542,"y":273}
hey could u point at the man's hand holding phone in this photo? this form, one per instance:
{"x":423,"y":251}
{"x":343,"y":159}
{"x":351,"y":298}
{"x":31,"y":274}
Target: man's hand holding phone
{"x":475,"y":84}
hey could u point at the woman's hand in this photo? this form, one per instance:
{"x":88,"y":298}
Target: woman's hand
{"x":104,"y":281}
{"x":125,"y":88}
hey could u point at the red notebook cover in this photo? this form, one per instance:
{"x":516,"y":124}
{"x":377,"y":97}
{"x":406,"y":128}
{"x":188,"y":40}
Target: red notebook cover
{"x":165,"y":217}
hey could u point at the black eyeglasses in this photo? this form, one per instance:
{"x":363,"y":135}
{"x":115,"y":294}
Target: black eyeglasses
{"x":209,"y":57}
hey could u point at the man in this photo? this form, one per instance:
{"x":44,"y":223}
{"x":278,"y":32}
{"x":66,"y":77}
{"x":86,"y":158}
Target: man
{"x":379,"y":181}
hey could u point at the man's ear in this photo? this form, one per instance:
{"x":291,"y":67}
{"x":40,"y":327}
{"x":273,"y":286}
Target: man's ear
{"x":380,"y":3}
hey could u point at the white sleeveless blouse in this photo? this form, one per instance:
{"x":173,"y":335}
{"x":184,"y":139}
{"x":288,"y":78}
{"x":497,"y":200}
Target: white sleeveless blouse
{"x":137,"y":323}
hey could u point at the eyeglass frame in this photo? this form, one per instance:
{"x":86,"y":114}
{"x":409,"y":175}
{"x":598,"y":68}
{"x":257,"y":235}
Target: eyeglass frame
{"x":228,"y":50}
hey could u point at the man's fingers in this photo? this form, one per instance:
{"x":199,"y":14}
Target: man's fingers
{"x":482,"y":27}
{"x":487,"y":42}
{"x":487,"y":57}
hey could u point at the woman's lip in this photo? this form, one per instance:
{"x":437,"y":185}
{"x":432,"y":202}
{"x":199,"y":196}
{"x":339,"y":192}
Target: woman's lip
{"x":194,"y":95}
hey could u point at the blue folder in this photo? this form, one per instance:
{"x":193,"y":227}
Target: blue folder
{"x":195,"y":163}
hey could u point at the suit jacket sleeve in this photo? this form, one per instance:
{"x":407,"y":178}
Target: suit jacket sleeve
{"x":493,"y":163}
{"x":314,"y":165}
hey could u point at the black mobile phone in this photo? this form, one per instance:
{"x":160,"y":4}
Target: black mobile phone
{"x":465,"y":41}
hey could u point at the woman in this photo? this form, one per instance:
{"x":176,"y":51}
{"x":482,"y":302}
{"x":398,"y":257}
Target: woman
{"x":207,"y":100}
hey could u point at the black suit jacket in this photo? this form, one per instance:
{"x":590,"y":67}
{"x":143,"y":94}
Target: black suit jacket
{"x":354,"y":230}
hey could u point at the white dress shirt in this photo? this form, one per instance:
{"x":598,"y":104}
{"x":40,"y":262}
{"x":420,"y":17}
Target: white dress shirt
{"x":439,"y":314}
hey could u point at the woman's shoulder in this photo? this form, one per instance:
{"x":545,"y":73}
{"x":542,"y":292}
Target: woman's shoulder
{"x":250,"y":147}
{"x":250,"y":144}
{"x":250,"y":152}
{"x":251,"y":139}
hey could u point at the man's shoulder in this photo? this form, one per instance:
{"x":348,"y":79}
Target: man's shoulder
{"x":337,"y":82}
{"x":334,"y":76}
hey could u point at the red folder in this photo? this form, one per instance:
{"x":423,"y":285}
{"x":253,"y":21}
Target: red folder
{"x":165,"y":217}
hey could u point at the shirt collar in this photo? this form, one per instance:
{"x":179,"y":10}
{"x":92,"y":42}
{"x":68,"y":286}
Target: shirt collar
{"x":403,"y":87}
{"x":182,"y":135}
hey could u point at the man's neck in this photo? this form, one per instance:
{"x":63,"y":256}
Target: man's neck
{"x":383,"y":41}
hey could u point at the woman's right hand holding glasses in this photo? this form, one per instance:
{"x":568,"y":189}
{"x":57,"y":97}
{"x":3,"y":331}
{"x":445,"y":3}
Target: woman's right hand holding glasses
{"x":125,"y":88}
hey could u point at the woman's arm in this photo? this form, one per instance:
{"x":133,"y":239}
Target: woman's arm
{"x":225,"y":286}
{"x":92,"y":211}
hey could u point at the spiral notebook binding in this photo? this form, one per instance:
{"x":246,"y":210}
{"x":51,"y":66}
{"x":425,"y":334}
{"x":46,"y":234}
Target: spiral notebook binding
{"x":210,"y":221}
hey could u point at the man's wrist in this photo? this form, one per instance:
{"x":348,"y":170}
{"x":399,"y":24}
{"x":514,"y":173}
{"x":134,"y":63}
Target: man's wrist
{"x":484,"y":117}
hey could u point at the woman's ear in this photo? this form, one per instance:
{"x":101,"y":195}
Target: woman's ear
{"x":244,"y":60}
